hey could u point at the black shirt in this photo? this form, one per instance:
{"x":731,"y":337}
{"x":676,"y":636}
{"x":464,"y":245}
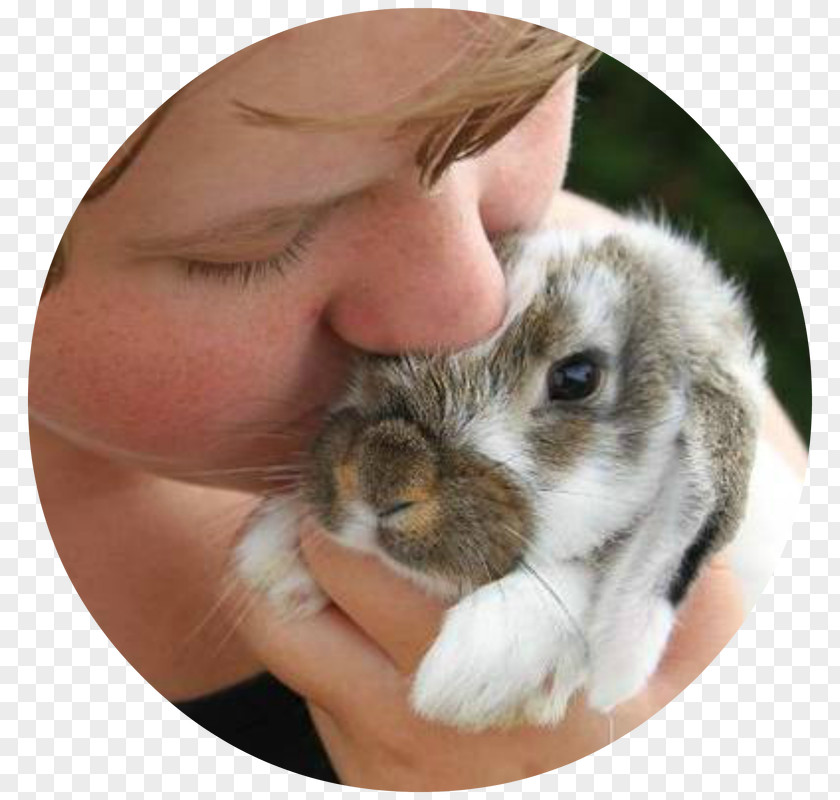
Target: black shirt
{"x":266,"y":719}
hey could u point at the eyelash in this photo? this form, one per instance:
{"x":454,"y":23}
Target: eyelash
{"x":244,"y":272}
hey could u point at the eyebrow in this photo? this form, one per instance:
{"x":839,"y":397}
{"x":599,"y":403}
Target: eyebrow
{"x":243,"y":227}
{"x":248,"y":225}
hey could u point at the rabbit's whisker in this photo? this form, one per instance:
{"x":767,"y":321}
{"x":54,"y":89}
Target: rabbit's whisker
{"x":267,"y":430}
{"x":255,"y":471}
{"x":484,"y":563}
{"x":247,"y":603}
{"x":578,"y":631}
{"x":227,"y":603}
{"x":544,"y":582}
{"x":229,"y":587}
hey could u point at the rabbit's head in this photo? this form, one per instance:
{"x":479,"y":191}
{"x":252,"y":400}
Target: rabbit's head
{"x":551,"y":438}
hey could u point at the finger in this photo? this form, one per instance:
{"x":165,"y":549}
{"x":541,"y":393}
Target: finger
{"x":400,"y":617}
{"x":712,"y":614}
{"x":709,"y":618}
{"x":325,"y":658}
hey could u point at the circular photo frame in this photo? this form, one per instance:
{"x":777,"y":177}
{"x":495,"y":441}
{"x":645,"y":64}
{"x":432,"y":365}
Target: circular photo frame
{"x":418,"y":400}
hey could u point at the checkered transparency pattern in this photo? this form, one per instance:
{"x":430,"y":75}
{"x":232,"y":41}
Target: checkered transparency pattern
{"x":76,"y":79}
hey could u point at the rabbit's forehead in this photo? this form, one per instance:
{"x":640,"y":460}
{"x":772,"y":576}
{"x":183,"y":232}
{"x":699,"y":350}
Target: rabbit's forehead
{"x":582,"y":305}
{"x":593,"y":304}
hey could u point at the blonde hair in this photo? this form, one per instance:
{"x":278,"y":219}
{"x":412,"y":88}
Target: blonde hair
{"x":505,"y":68}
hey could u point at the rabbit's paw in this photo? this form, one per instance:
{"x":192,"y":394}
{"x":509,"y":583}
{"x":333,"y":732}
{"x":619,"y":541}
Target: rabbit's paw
{"x":626,"y":651}
{"x":489,"y":663}
{"x":547,"y":706}
{"x":268,"y":559}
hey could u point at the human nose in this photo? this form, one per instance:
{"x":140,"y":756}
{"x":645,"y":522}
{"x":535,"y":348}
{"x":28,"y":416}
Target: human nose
{"x":424,"y":276}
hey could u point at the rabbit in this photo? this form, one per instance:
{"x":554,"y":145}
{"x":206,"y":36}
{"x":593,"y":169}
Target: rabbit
{"x":560,"y":484}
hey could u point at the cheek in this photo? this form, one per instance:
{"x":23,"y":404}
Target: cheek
{"x":163,"y":379}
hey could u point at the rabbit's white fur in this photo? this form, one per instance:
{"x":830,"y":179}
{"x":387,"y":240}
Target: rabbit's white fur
{"x":269,"y":559}
{"x":505,"y":653}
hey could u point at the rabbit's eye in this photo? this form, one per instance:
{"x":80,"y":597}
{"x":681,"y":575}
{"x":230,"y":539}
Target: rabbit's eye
{"x":573,"y":378}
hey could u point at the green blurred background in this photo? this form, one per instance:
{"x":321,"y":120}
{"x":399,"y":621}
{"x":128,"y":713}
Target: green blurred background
{"x":634,"y":145}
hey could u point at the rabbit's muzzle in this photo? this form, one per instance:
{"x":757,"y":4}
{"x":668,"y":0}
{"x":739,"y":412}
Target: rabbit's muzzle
{"x":445,"y":512}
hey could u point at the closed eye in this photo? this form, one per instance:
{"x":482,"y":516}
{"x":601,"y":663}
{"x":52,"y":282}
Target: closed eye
{"x":246,"y":271}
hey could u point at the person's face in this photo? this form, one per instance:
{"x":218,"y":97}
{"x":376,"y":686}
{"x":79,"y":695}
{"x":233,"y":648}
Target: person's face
{"x":208,"y":316}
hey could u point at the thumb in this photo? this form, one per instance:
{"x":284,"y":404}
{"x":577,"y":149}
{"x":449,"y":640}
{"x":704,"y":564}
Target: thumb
{"x":399,"y":616}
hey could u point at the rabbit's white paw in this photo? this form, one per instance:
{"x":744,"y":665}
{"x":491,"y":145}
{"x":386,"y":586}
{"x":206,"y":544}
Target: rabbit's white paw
{"x":547,"y":706}
{"x":503,"y":657}
{"x":268,"y":559}
{"x":626,"y":651}
{"x":477,"y":674}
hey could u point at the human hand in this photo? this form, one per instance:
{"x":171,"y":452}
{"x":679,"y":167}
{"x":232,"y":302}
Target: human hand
{"x":353,"y":662}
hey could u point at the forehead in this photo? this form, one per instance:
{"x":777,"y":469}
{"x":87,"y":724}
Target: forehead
{"x":205,"y":158}
{"x":354,"y":63}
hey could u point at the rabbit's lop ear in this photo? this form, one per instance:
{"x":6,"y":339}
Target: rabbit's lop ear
{"x":697,"y":512}
{"x":721,"y":437}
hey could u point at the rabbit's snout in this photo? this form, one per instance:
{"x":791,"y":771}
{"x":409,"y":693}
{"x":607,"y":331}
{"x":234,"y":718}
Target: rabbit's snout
{"x":385,"y":476}
{"x":390,"y":467}
{"x":441,"y":511}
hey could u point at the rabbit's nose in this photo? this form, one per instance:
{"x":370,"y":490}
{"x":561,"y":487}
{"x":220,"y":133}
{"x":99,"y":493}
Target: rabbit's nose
{"x":397,"y":472}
